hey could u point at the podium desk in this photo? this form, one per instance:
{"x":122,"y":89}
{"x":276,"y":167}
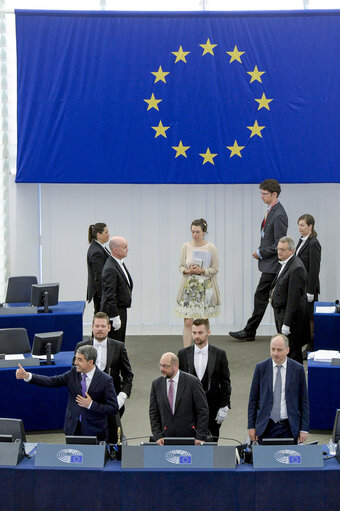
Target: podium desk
{"x":66,"y":316}
{"x":326,"y":329}
{"x":27,"y":488}
{"x":324,"y":393}
{"x":40,"y":408}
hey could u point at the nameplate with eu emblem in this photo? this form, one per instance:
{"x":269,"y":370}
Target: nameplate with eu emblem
{"x":178,"y":457}
{"x":287,"y":457}
{"x":71,"y":456}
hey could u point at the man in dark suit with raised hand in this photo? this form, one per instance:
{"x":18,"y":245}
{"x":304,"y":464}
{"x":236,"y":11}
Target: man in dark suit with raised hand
{"x":117,"y":288}
{"x":210,"y":365}
{"x":112,"y":358}
{"x":289,"y":299}
{"x":178,"y":406}
{"x":91,"y":395}
{"x":274,"y":225}
{"x":278,"y":402}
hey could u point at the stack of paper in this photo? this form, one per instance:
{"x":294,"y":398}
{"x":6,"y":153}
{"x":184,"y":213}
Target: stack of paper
{"x":323,"y":355}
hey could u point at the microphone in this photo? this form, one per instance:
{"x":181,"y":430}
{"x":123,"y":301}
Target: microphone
{"x":200,"y":434}
{"x":140,"y":437}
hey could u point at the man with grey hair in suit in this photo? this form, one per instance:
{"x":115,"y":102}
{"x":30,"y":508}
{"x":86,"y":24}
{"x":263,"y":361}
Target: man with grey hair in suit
{"x":274,"y":225}
{"x":178,"y":406}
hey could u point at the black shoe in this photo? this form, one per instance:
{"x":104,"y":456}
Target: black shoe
{"x":242,"y":335}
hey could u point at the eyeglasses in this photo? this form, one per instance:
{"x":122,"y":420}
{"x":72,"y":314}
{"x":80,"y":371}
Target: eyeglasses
{"x":165,"y":366}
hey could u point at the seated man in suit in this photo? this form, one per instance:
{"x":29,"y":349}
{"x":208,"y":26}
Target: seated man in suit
{"x":178,"y":406}
{"x":278,"y":401}
{"x":112,"y":358}
{"x":210,"y":365}
{"x":91,"y":395}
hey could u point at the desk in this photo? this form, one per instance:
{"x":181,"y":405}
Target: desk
{"x":326,"y":329}
{"x":40,"y":408}
{"x":66,"y":316}
{"x":26,"y":488}
{"x":324,"y":393}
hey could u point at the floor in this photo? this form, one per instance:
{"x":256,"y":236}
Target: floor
{"x":145,"y":352}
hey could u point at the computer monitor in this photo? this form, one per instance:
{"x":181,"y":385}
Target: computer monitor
{"x":47,"y":344}
{"x":81,"y":440}
{"x":44,"y":295}
{"x":278,"y":441}
{"x":13,"y":427}
{"x":169,"y":440}
{"x":336,"y":428}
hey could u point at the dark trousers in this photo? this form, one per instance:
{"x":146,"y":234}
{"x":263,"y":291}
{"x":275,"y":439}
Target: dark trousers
{"x":96,"y":302}
{"x":214,"y":428}
{"x":295,"y":351}
{"x":113,"y":423}
{"x":279,"y":429}
{"x":261,"y":299}
{"x":119,"y":335}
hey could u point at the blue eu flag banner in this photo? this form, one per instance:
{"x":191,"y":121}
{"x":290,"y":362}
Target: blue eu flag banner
{"x":200,"y":97}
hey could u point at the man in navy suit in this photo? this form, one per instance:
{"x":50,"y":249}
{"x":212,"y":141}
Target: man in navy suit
{"x":287,"y":417}
{"x":274,"y":225}
{"x":117,"y":288}
{"x":91,"y":394}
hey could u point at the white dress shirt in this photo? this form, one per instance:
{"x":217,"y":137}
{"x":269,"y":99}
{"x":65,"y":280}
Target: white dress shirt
{"x":283,"y":413}
{"x":303,"y":241}
{"x":101,"y":347}
{"x":120,"y":262}
{"x":200,"y":360}
{"x":175,"y":384}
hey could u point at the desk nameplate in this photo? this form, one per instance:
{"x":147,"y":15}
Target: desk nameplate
{"x":287,"y":457}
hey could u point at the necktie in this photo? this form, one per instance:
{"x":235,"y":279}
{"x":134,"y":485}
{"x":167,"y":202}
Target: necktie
{"x":171,"y":396}
{"x":83,"y":388}
{"x":276,"y":410}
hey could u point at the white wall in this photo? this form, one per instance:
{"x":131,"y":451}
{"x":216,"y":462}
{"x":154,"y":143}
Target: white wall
{"x":156,"y":220}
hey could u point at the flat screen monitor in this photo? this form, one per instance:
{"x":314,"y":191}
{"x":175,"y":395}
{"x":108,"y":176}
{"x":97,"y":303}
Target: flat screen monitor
{"x":170,"y":440}
{"x":278,"y":441}
{"x":47,"y":344}
{"x":81,"y":440}
{"x":336,"y":428}
{"x":44,"y":295}
{"x":13,"y":427}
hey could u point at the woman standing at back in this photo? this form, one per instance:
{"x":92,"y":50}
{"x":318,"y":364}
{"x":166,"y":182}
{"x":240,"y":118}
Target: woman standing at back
{"x":97,"y":254}
{"x":198,"y":296}
{"x":308,"y":250}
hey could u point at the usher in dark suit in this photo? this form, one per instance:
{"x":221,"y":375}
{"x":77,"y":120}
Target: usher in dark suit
{"x":216,"y":380}
{"x":191,"y":409}
{"x":96,"y":258}
{"x":272,"y":229}
{"x":310,"y":255}
{"x":261,"y":397}
{"x":117,"y":295}
{"x":103,"y":395}
{"x":289,"y":301}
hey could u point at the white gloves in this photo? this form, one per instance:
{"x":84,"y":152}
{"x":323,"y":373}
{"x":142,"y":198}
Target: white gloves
{"x":221,"y":414}
{"x":285,"y":330}
{"x":116,"y":323}
{"x":121,"y":398}
{"x":310,"y":297}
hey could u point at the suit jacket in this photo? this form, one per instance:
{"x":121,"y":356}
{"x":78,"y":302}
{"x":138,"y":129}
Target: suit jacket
{"x":261,"y":397}
{"x":275,"y":228}
{"x":102,"y":392}
{"x":288,"y":295}
{"x":96,"y":258}
{"x":117,"y":291}
{"x":310,"y":255}
{"x":117,"y":364}
{"x":191,"y":409}
{"x":219,"y":386}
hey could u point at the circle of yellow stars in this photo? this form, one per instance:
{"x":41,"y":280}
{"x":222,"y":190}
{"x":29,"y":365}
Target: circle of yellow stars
{"x":235,"y":56}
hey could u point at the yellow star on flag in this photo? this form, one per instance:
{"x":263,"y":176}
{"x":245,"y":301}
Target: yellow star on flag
{"x":208,"y":156}
{"x":255,"y":75}
{"x":160,"y":75}
{"x":181,"y":149}
{"x":235,"y":149}
{"x":152,"y":102}
{"x":160,"y":129}
{"x":208,"y":47}
{"x":235,"y":55}
{"x":256,"y":129}
{"x":180,"y":54}
{"x":263,"y":102}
